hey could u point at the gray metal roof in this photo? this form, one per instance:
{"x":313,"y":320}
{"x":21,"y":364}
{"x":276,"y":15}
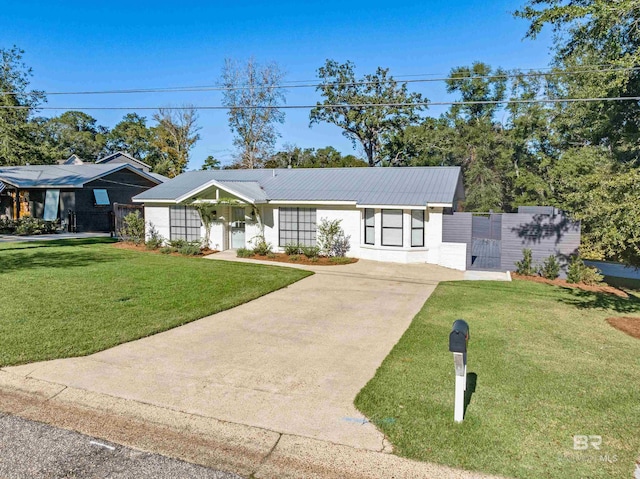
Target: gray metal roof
{"x":414,"y":186}
{"x":62,"y":176}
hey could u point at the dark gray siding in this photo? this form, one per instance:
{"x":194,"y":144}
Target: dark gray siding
{"x":544,"y":235}
{"x":457,"y":228}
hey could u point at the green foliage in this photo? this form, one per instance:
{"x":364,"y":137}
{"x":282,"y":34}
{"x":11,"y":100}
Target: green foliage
{"x":340,"y":260}
{"x":174,"y":136}
{"x":244,"y":253}
{"x":578,"y":272}
{"x":327,"y":157}
{"x":310,"y":251}
{"x":369,"y":127}
{"x":261,"y":246}
{"x":550,"y":268}
{"x":167,"y":250}
{"x":295,"y":257}
{"x":191,"y":248}
{"x":292,"y":248}
{"x":211,"y":163}
{"x":76,"y":133}
{"x":132,"y":228}
{"x":132,"y":135}
{"x":253,"y":97}
{"x":331,"y":238}
{"x":525,"y":266}
{"x":28,"y":225}
{"x":154,"y":239}
{"x":207,"y":212}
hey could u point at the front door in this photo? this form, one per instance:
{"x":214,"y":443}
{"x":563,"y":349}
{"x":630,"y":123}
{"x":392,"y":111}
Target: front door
{"x":237,"y":228}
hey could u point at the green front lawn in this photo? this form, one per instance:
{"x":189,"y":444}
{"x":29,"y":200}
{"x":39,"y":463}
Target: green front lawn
{"x":543,"y":366}
{"x":75,"y":297}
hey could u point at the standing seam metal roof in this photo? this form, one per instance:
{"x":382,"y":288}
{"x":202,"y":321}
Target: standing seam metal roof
{"x":412,"y":186}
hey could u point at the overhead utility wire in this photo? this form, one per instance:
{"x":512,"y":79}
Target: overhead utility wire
{"x":206,"y":88}
{"x":344,"y":105}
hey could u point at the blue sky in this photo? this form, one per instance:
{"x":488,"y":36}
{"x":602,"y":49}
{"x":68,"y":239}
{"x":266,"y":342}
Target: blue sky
{"x":74,"y":45}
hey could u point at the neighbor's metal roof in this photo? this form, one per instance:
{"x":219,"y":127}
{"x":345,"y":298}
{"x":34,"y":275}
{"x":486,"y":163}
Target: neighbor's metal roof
{"x":412,"y":186}
{"x":61,"y":176}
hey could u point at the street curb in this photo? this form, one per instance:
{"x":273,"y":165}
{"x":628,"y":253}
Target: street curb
{"x":245,"y":450}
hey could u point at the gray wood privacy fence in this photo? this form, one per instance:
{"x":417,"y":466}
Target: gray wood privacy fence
{"x":121,"y":210}
{"x":495,"y":241}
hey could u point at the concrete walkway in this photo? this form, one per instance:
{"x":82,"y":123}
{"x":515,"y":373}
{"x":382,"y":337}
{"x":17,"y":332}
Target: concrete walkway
{"x":269,"y":385}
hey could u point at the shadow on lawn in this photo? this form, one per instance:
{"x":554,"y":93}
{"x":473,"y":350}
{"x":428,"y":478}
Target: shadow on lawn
{"x":27,"y":245}
{"x":590,"y":300}
{"x":50,"y":259}
{"x":472,"y":381}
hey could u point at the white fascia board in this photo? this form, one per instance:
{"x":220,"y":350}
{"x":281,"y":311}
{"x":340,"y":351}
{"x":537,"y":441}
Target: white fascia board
{"x":393,"y":207}
{"x":165,"y":201}
{"x":208,"y":185}
{"x":440,"y":205}
{"x":311,"y":202}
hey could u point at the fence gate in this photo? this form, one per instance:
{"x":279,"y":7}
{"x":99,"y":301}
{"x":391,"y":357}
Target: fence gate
{"x":119,"y":212}
{"x":486,"y":242}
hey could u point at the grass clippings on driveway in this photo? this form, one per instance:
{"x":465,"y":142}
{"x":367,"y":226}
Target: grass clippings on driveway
{"x":68,"y":298}
{"x":543,"y":366}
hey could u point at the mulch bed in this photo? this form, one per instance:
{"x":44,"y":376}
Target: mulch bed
{"x":140,"y":247}
{"x":565,"y":284}
{"x":285,"y":258}
{"x":626,"y":324}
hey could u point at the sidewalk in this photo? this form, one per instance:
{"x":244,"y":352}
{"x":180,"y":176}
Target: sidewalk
{"x":245,"y":450}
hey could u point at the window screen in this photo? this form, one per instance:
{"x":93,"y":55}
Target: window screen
{"x":185,"y":223}
{"x":392,"y":227}
{"x":369,"y":226}
{"x":101,"y":197}
{"x":417,"y":228}
{"x":297,"y":226}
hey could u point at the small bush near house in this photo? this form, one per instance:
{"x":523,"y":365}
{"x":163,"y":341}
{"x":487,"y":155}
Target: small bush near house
{"x":167,"y":250}
{"x":190,"y":248}
{"x":578,"y":272}
{"x":261,"y":246}
{"x":28,"y":225}
{"x":177,"y":243}
{"x":331,"y":238}
{"x":132,"y":228}
{"x":310,"y":251}
{"x":525,"y":266}
{"x":244,"y":253}
{"x":271,"y":255}
{"x":294,"y":257}
{"x":550,"y":268}
{"x":155,"y":239}
{"x":292,"y":248}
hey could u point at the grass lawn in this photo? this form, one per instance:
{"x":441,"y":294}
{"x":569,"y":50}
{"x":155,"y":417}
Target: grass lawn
{"x":75,"y":297}
{"x":543,"y":366}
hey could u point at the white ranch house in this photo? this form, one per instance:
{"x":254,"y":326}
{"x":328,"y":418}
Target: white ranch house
{"x":391,"y":214}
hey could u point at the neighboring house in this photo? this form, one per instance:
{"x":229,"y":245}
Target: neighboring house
{"x":72,"y":160}
{"x":122,"y":157}
{"x":84,"y":192}
{"x":390,"y":214}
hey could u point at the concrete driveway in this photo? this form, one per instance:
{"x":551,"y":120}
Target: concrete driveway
{"x":290,"y":362}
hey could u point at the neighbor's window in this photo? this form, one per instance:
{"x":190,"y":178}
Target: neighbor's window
{"x":391,"y":227}
{"x":184,"y":223}
{"x":417,"y":227}
{"x":297,"y":226}
{"x":369,"y":226}
{"x":102,"y":197}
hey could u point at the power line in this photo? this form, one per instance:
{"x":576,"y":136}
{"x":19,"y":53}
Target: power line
{"x":290,"y":85}
{"x":337,"y":106}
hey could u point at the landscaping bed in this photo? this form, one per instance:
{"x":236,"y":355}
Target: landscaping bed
{"x":594,"y":288}
{"x":626,"y":324}
{"x":76,"y":297}
{"x":544,"y":366}
{"x":128,"y":245}
{"x":302,"y":259}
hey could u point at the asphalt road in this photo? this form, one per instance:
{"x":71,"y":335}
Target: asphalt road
{"x":37,"y":451}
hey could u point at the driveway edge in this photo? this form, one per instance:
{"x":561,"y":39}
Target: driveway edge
{"x":245,"y":450}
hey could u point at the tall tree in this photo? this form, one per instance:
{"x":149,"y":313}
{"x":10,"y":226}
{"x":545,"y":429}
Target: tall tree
{"x":253,"y":95}
{"x":133,"y":136}
{"x":18,"y":104}
{"x":211,"y":163}
{"x":75,"y":132}
{"x":370,"y":126}
{"x":175,"y":135}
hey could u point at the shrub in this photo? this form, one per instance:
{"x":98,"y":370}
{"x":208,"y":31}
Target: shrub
{"x":294,"y":257}
{"x":191,"y":248}
{"x":177,"y":243}
{"x":132,"y":228}
{"x":310,"y":251}
{"x":331,"y":238}
{"x":525,"y":267}
{"x":28,"y":225}
{"x":271,"y":255}
{"x":167,"y":250}
{"x":244,"y":253}
{"x":7,"y":226}
{"x":292,"y":248}
{"x":578,"y":272}
{"x":155,"y":239}
{"x":550,"y":268}
{"x":261,"y":247}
